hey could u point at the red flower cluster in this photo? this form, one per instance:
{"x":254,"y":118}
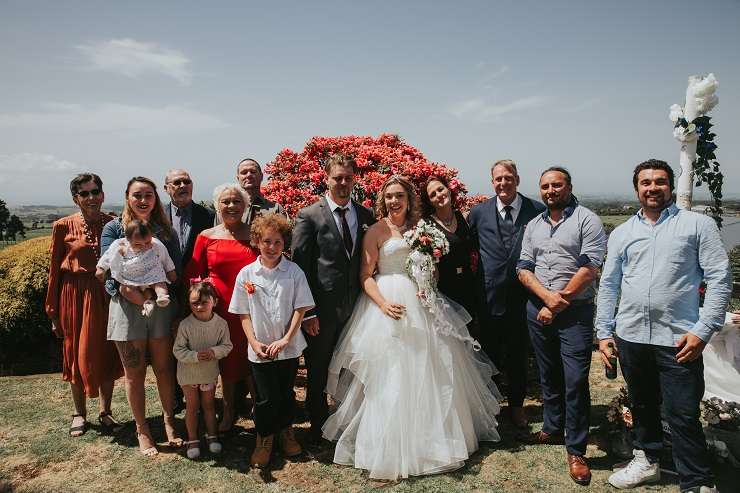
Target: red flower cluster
{"x":298,"y":180}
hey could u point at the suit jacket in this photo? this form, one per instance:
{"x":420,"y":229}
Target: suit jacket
{"x":499,"y":288}
{"x":200,"y":220}
{"x":317,"y":247}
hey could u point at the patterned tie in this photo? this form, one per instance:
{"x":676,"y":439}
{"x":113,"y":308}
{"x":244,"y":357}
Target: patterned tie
{"x":346,"y":235}
{"x":508,"y":230}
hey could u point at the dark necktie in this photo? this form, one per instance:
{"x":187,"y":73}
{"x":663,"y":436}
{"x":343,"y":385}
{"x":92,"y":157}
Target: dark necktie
{"x":181,"y":228}
{"x":346,"y":235}
{"x":507,"y":231}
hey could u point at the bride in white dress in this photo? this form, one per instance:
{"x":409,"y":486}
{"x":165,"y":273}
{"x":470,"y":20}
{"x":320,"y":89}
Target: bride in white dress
{"x":413,"y":399}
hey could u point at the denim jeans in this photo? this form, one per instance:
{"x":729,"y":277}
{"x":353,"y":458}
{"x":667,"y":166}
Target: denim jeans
{"x":654,"y":380}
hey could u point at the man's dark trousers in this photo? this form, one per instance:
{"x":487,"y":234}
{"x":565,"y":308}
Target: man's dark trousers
{"x":563,"y":352}
{"x":506,"y":341}
{"x":655,"y":378}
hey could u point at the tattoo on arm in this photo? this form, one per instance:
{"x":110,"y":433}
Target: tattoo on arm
{"x":131,"y":356}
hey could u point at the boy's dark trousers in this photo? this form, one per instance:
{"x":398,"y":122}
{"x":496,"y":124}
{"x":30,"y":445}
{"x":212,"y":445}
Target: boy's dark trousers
{"x":654,"y":379}
{"x":275,"y":399}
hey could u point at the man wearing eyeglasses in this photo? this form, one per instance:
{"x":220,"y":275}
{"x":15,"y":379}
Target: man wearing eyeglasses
{"x":188,"y":219}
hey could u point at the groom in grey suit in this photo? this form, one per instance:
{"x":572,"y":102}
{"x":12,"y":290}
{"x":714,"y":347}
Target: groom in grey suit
{"x":327,"y":245}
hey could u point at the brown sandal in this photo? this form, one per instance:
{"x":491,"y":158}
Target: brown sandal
{"x":78,"y":431}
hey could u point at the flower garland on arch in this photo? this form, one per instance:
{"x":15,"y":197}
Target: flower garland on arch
{"x":297,"y":179}
{"x":705,"y":166}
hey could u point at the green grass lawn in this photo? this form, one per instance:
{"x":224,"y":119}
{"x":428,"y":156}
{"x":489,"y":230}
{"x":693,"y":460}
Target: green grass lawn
{"x":36,"y":454}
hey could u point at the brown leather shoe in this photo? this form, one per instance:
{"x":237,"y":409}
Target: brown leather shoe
{"x":578,"y":469}
{"x":262,"y":451}
{"x":542,"y":438}
{"x":518,"y":417}
{"x":289,"y":444}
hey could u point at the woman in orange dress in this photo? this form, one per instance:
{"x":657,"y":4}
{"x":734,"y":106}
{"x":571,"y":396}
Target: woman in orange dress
{"x":77,"y":305}
{"x":220,"y":253}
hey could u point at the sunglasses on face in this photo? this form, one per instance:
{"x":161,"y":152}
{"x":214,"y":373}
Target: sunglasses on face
{"x":181,"y":181}
{"x":86,"y":193}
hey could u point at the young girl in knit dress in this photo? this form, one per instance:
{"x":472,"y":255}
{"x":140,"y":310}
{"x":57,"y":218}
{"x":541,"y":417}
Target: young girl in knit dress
{"x":139,"y":261}
{"x":271,"y":296}
{"x":202,"y":339}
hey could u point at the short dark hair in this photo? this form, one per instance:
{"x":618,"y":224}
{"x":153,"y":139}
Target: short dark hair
{"x":137,"y":227}
{"x":339,"y":160}
{"x":249,"y":160}
{"x":81,"y":179}
{"x":559,"y":169}
{"x":426,"y":205}
{"x":653,"y":164}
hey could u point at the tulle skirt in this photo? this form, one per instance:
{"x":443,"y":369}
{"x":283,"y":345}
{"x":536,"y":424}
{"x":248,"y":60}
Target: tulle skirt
{"x":412,"y":400}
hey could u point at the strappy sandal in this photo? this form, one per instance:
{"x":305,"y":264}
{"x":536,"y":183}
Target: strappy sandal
{"x":214,"y":446}
{"x":108,"y":423}
{"x":147,"y":452}
{"x":192,"y":452}
{"x":175,"y":442}
{"x":78,"y":431}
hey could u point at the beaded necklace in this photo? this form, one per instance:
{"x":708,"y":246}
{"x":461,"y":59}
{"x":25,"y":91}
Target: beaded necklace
{"x":90,"y":236}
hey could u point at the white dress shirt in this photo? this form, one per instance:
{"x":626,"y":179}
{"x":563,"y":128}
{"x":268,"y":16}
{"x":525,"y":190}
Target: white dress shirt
{"x":516,"y":206}
{"x":350,"y":215}
{"x":277,"y":294}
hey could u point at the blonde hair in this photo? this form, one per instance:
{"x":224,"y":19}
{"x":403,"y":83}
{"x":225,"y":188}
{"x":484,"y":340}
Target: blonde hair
{"x":157,"y":216}
{"x":413,"y":212}
{"x":506,"y":163}
{"x":229,"y":187}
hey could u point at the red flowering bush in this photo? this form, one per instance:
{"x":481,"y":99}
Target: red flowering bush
{"x":298,"y":179}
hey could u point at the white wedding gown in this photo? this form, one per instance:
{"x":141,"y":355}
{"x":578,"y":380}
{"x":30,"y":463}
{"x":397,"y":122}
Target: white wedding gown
{"x":412,"y":400}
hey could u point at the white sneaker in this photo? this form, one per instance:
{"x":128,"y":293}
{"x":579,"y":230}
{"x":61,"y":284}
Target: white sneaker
{"x":638,"y":471}
{"x":147,"y":308}
{"x":701,"y":489}
{"x":163,"y":300}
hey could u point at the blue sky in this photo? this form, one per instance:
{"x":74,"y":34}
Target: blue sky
{"x":131,"y":88}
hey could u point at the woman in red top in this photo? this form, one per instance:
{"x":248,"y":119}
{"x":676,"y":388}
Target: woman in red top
{"x":220,"y":253}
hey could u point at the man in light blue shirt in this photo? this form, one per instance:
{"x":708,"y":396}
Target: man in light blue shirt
{"x":657,"y":260}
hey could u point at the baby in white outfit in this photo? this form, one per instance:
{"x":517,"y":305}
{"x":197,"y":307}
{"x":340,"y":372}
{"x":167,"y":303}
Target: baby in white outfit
{"x":140,"y":261}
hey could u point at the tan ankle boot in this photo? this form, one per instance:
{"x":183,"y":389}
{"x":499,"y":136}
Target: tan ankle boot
{"x":262,"y":451}
{"x":288,"y":443}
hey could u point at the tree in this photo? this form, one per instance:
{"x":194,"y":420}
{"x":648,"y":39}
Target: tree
{"x":15,"y":227}
{"x":4,"y":216}
{"x":298,"y":179}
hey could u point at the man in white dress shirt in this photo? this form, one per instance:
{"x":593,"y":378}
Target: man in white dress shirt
{"x":327,"y":245}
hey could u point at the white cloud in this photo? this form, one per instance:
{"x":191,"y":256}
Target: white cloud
{"x":133,"y":58}
{"x":16,"y":168}
{"x":582,"y":106}
{"x":112,"y":117}
{"x":480,"y":110}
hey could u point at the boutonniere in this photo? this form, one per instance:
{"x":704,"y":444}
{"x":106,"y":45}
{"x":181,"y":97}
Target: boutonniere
{"x":250,"y":287}
{"x":364,"y":227}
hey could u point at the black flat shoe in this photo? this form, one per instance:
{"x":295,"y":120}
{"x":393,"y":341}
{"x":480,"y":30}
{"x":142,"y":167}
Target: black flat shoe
{"x":78,"y":431}
{"x":109,"y":423}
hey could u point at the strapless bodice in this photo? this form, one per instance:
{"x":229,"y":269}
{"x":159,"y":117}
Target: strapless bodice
{"x":392,"y":256}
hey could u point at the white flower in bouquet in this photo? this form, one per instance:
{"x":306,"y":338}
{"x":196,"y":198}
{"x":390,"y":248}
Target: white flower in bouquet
{"x":676,"y":113}
{"x":685,"y":134}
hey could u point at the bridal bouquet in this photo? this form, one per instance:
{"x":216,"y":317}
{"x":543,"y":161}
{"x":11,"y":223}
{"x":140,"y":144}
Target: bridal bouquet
{"x":428,"y":244}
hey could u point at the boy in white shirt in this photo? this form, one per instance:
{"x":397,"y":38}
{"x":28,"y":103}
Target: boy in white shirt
{"x":271,"y":295}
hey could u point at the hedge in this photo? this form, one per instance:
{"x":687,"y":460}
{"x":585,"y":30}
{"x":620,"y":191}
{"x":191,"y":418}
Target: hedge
{"x":24,"y":270}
